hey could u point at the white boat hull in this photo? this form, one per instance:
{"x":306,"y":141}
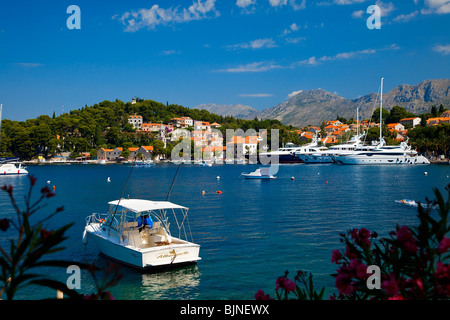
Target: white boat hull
{"x":176,"y":253}
{"x":380,"y":159}
{"x":249,"y":176}
{"x":311,"y":158}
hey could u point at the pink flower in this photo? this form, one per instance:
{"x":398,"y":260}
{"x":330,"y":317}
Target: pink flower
{"x":260,"y":295}
{"x":336,"y":256}
{"x":406,"y":240}
{"x":444,"y":245}
{"x":391,"y":286}
{"x":344,"y":284}
{"x":349,"y":253}
{"x":285,"y":283}
{"x":358,"y":269}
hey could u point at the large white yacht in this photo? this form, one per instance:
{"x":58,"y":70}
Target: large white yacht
{"x":284,"y":154}
{"x":309,"y":149}
{"x":382,"y":154}
{"x":325,"y":156}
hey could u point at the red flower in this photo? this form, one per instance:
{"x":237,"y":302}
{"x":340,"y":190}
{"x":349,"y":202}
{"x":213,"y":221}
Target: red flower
{"x":391,"y":286}
{"x":336,"y":256}
{"x":8,"y":188}
{"x":45,"y":234}
{"x":32,"y":179}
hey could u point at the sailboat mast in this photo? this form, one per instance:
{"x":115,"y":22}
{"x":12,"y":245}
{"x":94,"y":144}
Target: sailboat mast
{"x":357,"y":121}
{"x":381,"y":109}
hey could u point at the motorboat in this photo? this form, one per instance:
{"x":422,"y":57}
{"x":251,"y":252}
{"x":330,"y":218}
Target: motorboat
{"x":137,"y":233}
{"x":261,"y":173}
{"x":10,"y":168}
{"x":144,"y":163}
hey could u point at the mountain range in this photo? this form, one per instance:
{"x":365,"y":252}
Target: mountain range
{"x":311,"y":107}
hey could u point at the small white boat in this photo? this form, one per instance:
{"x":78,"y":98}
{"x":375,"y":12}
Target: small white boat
{"x":10,"y":168}
{"x":136,"y":232}
{"x":261,"y":173}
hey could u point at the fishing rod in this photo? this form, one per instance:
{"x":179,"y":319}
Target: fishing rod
{"x":173,"y":181}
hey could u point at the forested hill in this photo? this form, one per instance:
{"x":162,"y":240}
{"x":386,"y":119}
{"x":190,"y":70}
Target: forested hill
{"x":103,"y":125}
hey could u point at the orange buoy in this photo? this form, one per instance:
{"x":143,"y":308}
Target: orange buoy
{"x":218,"y":191}
{"x":203,"y":192}
{"x":54,"y":188}
{"x":326,"y":182}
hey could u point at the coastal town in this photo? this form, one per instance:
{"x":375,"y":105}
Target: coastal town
{"x":209,"y":139}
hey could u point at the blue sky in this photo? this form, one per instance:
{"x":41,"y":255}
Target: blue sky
{"x":190,"y":52}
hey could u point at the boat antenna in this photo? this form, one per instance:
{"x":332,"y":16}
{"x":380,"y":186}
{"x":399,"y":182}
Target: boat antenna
{"x":123,"y":190}
{"x":173,"y":181}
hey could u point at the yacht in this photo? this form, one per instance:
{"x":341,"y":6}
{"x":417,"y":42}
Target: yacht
{"x":136,"y":232}
{"x":284,"y":154}
{"x":326,"y":156}
{"x":382,"y":153}
{"x":9,"y":168}
{"x":309,"y":149}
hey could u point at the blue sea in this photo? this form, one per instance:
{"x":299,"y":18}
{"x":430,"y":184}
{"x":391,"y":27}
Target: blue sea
{"x":250,"y":234}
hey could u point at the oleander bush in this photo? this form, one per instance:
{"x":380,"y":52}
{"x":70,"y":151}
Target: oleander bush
{"x":412,"y":262}
{"x":30,"y":248}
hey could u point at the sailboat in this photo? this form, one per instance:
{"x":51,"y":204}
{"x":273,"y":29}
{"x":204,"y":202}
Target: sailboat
{"x":382,"y":153}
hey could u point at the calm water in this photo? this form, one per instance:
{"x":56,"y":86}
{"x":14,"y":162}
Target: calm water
{"x":249,"y":235}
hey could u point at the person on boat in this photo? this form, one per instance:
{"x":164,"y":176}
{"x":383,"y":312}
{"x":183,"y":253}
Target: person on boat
{"x":143,"y":221}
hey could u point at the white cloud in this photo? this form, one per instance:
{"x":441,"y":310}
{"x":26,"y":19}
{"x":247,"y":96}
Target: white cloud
{"x":386,"y":8}
{"x":437,"y":6}
{"x":358,"y":14}
{"x":256,"y":95}
{"x":292,"y":28}
{"x":255,"y":44}
{"x":347,"y":2}
{"x":29,"y":64}
{"x":150,"y":18}
{"x":406,"y":17}
{"x":445,"y":49}
{"x":245,"y":3}
{"x":294,"y":93}
{"x":292,"y":3}
{"x":252,"y":67}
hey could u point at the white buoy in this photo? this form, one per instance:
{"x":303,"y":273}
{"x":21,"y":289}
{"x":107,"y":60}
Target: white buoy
{"x":425,"y":173}
{"x":218,"y":177}
{"x":48,"y":181}
{"x":109,"y":179}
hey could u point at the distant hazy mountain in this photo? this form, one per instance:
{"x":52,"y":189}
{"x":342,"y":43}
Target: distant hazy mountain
{"x":315,"y":106}
{"x":235,"y":110}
